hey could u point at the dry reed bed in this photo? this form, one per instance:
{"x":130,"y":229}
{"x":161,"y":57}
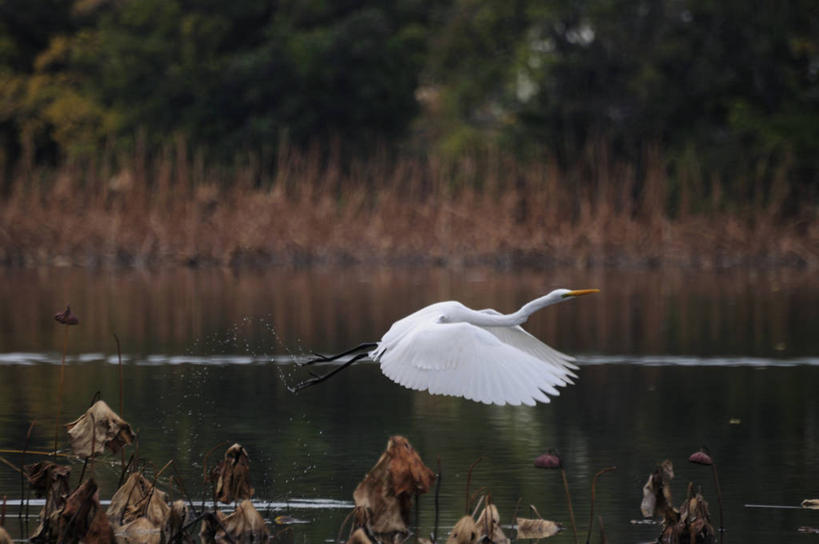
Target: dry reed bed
{"x":172,"y":210}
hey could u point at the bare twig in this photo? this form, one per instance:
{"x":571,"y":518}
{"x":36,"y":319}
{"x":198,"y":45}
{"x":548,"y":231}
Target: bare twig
{"x":153,"y":485}
{"x":205,"y":476}
{"x":121,"y":401}
{"x":593,"y":495}
{"x":9,"y":464}
{"x":569,"y":501}
{"x":125,"y":469}
{"x":60,"y":393}
{"x":719,"y":501}
{"x":469,"y":482}
{"x":23,"y":489}
{"x":93,"y":445}
{"x":343,"y":523}
{"x":34,"y":452}
{"x":515,"y":513}
{"x":477,"y":506}
{"x":437,"y":495}
{"x":119,"y":358}
{"x":178,"y":481}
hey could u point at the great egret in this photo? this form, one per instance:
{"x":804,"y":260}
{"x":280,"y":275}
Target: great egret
{"x":482,"y":355}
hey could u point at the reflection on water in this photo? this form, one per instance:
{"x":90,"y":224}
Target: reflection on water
{"x":281,"y":311}
{"x":672,"y":361}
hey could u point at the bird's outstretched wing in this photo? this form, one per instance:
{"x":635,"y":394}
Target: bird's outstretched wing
{"x":468,"y":361}
{"x":524,"y":341}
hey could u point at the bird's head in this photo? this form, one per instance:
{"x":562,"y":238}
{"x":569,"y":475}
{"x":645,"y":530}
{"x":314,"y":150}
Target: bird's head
{"x":558,"y":295}
{"x":562,"y":295}
{"x":569,"y":293}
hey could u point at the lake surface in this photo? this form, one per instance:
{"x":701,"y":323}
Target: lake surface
{"x":670,"y":361}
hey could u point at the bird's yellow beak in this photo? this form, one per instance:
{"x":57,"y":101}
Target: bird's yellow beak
{"x":580,"y":292}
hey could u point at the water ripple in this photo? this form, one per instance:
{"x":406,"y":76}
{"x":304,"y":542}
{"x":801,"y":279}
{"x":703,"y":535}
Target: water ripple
{"x":35,"y":358}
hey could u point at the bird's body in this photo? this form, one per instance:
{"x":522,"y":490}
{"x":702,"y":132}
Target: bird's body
{"x":447,"y":348}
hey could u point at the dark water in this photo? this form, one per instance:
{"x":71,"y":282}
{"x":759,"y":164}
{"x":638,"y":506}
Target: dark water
{"x":670,"y":361}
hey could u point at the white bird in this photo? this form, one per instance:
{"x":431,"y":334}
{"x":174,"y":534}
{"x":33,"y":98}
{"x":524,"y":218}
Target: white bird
{"x":482,"y":355}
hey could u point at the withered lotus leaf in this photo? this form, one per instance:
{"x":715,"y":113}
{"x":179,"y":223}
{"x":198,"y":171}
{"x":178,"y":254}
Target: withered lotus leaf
{"x":66,"y":317}
{"x":139,"y":531}
{"x":388,"y":488}
{"x":359,"y":536}
{"x":245,"y":524}
{"x":693,"y":524}
{"x":233,"y":476}
{"x":649,"y":502}
{"x":812,"y":504}
{"x":179,"y":516}
{"x":48,"y":480}
{"x":667,"y":468}
{"x":408,"y":473}
{"x":465,"y":531}
{"x":139,"y":498}
{"x":489,"y":529}
{"x":99,"y":427}
{"x":657,"y":491}
{"x":212,"y":526}
{"x":82,"y":518}
{"x":536,"y":528}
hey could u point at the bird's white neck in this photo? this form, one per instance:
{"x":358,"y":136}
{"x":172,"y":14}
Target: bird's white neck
{"x":519,"y":317}
{"x":539,"y":303}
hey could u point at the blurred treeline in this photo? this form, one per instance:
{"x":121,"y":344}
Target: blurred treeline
{"x":720,"y":90}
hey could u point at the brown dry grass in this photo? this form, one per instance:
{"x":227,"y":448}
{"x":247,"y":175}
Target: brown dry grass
{"x":491,"y":210}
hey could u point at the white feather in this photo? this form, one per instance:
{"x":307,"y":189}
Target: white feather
{"x":436,"y":349}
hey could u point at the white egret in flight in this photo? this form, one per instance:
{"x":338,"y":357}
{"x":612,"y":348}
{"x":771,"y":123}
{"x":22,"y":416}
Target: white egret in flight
{"x":482,"y":355}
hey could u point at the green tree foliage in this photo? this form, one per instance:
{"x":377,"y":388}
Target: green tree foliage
{"x":720,"y":86}
{"x":228,"y":76}
{"x":728,"y":79}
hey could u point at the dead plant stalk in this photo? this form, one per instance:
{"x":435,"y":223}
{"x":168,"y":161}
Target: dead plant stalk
{"x":60,"y":392}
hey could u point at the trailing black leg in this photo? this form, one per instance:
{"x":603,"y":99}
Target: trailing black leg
{"x":328,"y":358}
{"x":318,"y":379}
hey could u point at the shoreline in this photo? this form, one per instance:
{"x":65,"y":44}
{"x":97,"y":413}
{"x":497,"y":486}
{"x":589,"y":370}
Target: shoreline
{"x":140,"y":245}
{"x":402,"y":214}
{"x":323,"y":256}
{"x":499,"y":262}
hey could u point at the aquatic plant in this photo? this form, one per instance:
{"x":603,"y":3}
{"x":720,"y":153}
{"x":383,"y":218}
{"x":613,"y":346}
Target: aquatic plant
{"x":657,"y":491}
{"x":593,"y":495}
{"x":98,"y":429}
{"x":232,"y":476}
{"x":386,"y":492}
{"x":702,"y":457}
{"x":536,"y":528}
{"x":82,"y":518}
{"x":488,"y":524}
{"x":465,"y":531}
{"x":551,"y":460}
{"x":67,"y":319}
{"x":48,"y":480}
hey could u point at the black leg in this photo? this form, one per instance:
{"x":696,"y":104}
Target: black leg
{"x":318,"y":379}
{"x":328,"y":358}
